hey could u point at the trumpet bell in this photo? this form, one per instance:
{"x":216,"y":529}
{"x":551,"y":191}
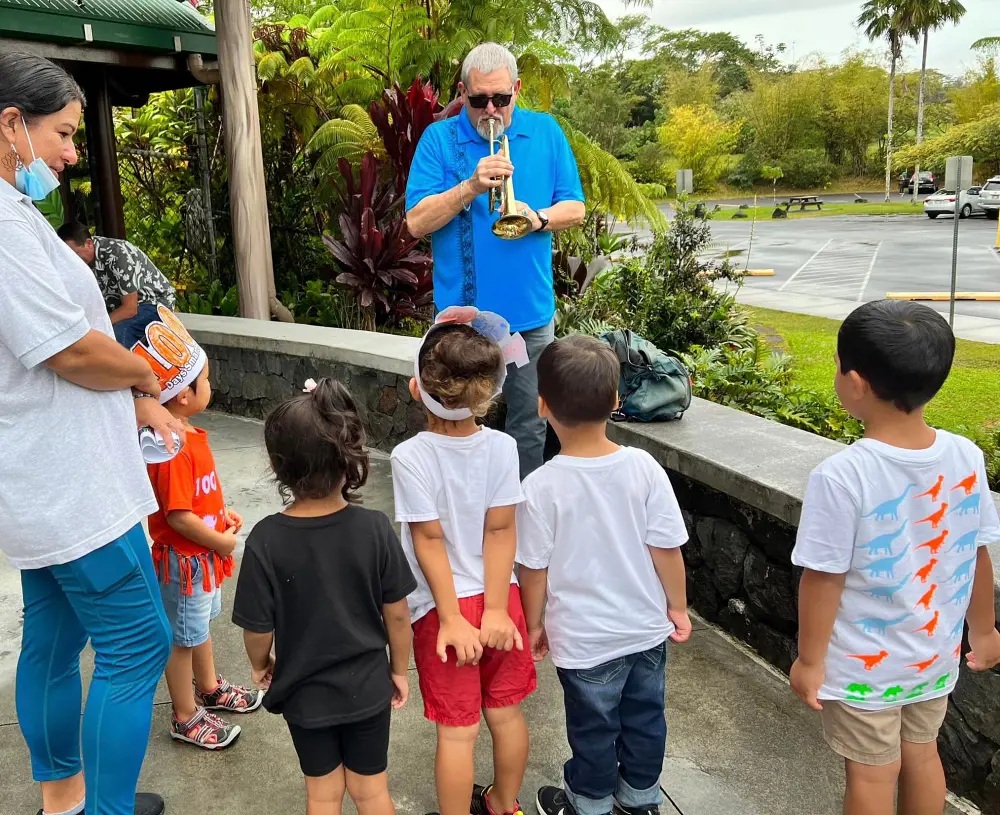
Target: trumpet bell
{"x":511,"y":227}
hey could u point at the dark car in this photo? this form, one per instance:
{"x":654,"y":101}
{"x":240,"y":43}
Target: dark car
{"x":928,"y":183}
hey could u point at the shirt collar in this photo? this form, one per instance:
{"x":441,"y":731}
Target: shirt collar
{"x":467,"y":133}
{"x":8,"y":191}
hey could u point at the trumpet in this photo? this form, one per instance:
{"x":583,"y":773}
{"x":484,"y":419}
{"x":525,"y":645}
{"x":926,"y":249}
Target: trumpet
{"x":511,"y":224}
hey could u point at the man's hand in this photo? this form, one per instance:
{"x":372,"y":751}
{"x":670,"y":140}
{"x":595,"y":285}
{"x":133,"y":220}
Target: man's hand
{"x":528,"y":212}
{"x":458,"y":633}
{"x":400,"y":690}
{"x":150,"y":413}
{"x":682,"y":624}
{"x":262,"y":678}
{"x":538,"y":642}
{"x":985,"y":650}
{"x":233,"y":519}
{"x":490,"y":172}
{"x":497,"y":630}
{"x":806,"y":681}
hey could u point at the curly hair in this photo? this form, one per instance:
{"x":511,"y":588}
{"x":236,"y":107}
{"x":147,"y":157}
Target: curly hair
{"x":316,"y":444}
{"x":458,"y":366}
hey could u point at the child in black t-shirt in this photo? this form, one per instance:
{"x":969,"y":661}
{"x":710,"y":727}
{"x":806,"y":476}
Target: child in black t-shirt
{"x":325,"y":583}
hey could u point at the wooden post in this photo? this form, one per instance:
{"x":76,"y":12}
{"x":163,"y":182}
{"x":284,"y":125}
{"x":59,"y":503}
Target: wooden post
{"x":241,"y":125}
{"x":103,"y":155}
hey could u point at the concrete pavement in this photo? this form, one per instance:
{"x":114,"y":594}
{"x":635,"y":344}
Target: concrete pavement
{"x":739,"y":743}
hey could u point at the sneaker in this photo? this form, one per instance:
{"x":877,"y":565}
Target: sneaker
{"x":553,"y":801}
{"x":146,"y":803}
{"x":229,"y":697}
{"x":481,"y":806}
{"x":205,"y":730}
{"x":651,"y":809}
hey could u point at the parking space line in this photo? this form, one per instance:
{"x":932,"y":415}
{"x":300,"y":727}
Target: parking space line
{"x":804,"y":265}
{"x":868,"y":277}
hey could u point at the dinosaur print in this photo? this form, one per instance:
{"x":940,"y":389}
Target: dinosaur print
{"x":885,"y":567}
{"x":942,"y":682}
{"x":871,"y":661}
{"x":961,"y":595}
{"x":968,"y":484}
{"x":933,"y":492}
{"x":882,"y":545}
{"x":969,"y":505}
{"x":892,"y":693}
{"x":925,"y":601}
{"x":923,"y":666}
{"x":967,"y":541}
{"x":890,"y":508}
{"x":918,"y":690}
{"x":935,"y":518}
{"x":963,"y":572}
{"x":935,"y":544}
{"x":923,"y":574}
{"x":857,"y":691}
{"x":959,"y":629}
{"x":875,"y":625}
{"x":889,"y":592}
{"x":930,"y":627}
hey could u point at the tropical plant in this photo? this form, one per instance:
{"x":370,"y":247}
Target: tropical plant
{"x":979,"y":138}
{"x":988,"y":45}
{"x":700,"y":141}
{"x":379,"y":257}
{"x":216,"y":299}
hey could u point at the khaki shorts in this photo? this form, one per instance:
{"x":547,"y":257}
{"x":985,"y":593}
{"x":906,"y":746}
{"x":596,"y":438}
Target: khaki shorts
{"x":874,"y":737}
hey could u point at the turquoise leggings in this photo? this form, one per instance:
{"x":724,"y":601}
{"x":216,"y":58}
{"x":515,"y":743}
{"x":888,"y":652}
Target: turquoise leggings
{"x":110,"y":597}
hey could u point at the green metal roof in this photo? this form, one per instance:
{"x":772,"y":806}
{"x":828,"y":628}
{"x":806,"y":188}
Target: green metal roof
{"x":126,"y":25}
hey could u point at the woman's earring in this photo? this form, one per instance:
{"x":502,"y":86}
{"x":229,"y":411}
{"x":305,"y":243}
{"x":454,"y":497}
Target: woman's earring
{"x":10,"y":161}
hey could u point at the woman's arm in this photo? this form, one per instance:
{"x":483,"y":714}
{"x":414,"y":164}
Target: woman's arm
{"x":98,"y":363}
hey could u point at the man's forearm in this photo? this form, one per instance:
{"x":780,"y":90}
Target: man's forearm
{"x":436,"y":211}
{"x":982,"y":611}
{"x":258,"y":649}
{"x":533,"y":586}
{"x":565,"y":215}
{"x":99,"y":363}
{"x":819,"y":601}
{"x":127,"y":310}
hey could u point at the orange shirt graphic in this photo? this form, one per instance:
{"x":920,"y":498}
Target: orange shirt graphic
{"x":187,"y":482}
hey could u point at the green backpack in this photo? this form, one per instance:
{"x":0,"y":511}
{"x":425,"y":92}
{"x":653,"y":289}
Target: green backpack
{"x":654,"y":387}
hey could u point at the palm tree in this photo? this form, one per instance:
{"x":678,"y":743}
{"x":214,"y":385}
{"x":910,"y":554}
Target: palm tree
{"x":925,"y":15}
{"x":987,"y":44}
{"x":884,"y":19}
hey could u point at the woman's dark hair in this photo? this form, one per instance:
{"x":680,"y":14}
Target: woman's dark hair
{"x":35,"y":86}
{"x":316,"y":441}
{"x":458,"y":367}
{"x":903,"y":350}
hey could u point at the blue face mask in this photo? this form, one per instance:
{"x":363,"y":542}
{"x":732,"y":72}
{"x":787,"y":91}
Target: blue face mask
{"x":37,"y":179}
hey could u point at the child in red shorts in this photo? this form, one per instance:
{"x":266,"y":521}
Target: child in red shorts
{"x":456,"y":489}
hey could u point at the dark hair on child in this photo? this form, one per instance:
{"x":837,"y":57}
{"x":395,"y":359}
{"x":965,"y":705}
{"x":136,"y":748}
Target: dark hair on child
{"x":903,"y":350}
{"x":578,"y":379}
{"x":315,"y":441}
{"x":458,"y":366}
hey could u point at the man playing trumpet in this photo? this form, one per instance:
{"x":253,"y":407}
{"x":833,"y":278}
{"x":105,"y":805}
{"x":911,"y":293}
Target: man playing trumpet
{"x":451,"y":196}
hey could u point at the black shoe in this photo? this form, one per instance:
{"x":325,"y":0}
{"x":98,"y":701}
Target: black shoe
{"x":146,"y":803}
{"x":651,"y":809}
{"x":553,"y":801}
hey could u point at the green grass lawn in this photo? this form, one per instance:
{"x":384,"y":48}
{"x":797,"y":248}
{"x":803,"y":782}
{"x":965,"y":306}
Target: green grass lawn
{"x":763,"y":211}
{"x":968,"y":399}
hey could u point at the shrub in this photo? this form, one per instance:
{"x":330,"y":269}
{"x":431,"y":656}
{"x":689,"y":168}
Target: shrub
{"x":747,"y":172}
{"x":806,"y":169}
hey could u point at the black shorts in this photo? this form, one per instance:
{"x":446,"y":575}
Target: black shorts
{"x":362,"y":747}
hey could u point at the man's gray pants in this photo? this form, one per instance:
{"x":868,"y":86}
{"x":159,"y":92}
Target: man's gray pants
{"x":521,"y":394}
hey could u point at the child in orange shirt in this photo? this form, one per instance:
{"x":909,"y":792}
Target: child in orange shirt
{"x":194,"y":536}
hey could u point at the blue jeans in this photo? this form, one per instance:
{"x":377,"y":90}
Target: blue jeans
{"x":129,"y":332}
{"x":189,"y":615}
{"x":617,"y":729}
{"x":520,"y":391}
{"x":111,"y":598}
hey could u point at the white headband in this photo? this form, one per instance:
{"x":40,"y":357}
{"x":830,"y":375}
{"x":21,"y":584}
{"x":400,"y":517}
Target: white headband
{"x":490,"y":325}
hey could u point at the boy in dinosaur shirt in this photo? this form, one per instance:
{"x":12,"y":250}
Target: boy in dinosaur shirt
{"x":893,"y":542}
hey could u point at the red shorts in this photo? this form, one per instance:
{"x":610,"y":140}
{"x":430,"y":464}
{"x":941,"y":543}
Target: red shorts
{"x":455,"y":696}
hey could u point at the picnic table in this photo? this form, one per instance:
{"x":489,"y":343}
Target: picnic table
{"x":803,"y":201}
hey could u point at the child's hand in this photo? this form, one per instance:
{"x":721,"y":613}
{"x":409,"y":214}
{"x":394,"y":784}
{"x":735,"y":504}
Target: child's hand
{"x":233,"y":519}
{"x":400,"y":690}
{"x":497,"y":630}
{"x":227,"y":542}
{"x":458,"y":633}
{"x":682,"y":622}
{"x":538,"y":642}
{"x":985,"y":650}
{"x":806,"y":682}
{"x":262,"y":679}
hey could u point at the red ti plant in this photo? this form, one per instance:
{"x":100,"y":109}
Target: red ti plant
{"x":379,"y":257}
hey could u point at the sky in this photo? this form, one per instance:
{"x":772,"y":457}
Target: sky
{"x":818,"y":26}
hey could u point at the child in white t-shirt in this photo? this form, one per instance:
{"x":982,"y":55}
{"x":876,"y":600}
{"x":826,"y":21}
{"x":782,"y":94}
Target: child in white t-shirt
{"x":893,"y":541}
{"x":599,"y":532}
{"x":456,"y":487}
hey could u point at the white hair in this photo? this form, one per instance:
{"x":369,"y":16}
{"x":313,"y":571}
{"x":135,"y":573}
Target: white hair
{"x":486,"y":59}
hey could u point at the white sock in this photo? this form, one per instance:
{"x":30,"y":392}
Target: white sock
{"x":77,"y":810}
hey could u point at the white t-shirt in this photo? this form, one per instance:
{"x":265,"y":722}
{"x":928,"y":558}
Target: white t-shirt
{"x":589,"y":521}
{"x":905,"y":527}
{"x":454,"y":481}
{"x":72,"y":477}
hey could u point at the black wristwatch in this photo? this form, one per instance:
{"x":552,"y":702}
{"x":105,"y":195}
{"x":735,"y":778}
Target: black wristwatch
{"x":543,"y":216}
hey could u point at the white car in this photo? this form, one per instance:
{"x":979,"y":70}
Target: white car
{"x":989,"y":199}
{"x":943,"y":203}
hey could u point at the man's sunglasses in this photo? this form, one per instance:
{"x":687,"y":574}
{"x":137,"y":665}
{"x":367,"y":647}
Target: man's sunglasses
{"x":481,"y":100}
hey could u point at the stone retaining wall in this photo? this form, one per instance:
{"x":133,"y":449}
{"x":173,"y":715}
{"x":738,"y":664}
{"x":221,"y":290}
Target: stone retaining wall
{"x":739,"y":480}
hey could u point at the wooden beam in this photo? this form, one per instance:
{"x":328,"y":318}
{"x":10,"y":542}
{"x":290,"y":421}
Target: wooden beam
{"x":944,"y":296}
{"x":103,"y":155}
{"x":241,"y":126}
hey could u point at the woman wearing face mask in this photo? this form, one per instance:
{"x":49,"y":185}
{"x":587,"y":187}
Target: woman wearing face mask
{"x":74,"y":486}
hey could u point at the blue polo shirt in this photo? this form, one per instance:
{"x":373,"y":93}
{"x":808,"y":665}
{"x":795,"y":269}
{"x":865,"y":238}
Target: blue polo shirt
{"x":473,"y":267}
